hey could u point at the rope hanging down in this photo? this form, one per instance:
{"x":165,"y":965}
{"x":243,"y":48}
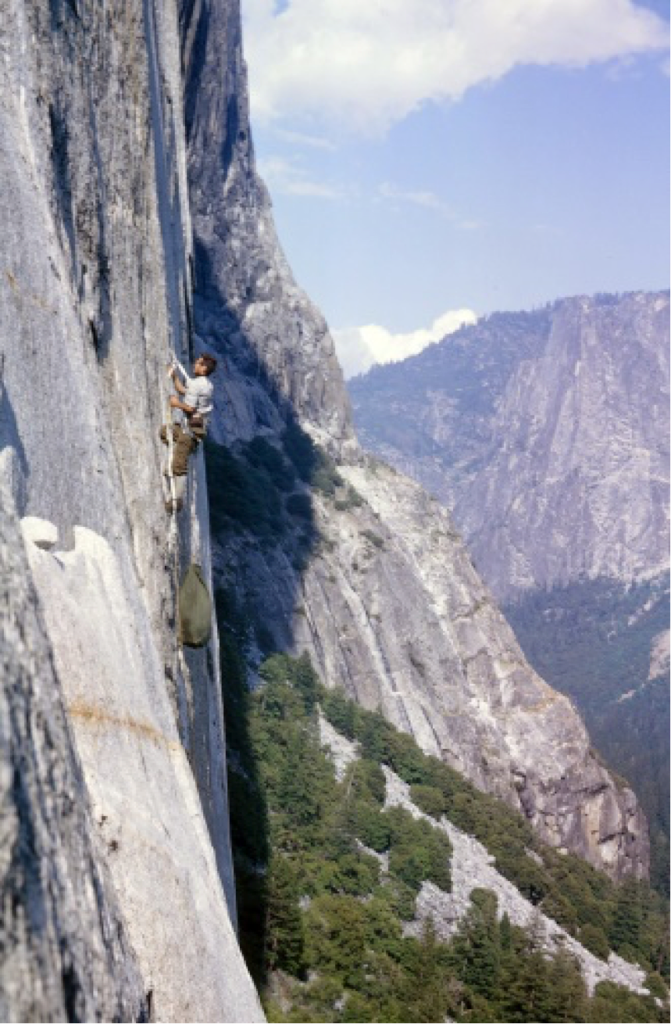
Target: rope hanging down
{"x":174,"y":499}
{"x":171,"y":445}
{"x":172,"y":530}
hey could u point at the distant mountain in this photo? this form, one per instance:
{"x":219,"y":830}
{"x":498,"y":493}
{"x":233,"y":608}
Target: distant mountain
{"x":546,"y":433}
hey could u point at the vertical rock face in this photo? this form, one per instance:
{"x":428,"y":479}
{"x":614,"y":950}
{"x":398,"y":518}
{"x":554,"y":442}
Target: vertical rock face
{"x":65,"y":951}
{"x":396,"y":612}
{"x":94,"y":292}
{"x":369,"y":577}
{"x":280,"y":359}
{"x":586,"y":458}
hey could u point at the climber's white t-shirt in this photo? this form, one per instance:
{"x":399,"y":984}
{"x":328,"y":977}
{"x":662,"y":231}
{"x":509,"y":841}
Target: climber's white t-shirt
{"x":198,"y":395}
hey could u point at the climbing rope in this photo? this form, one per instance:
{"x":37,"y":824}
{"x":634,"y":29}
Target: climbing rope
{"x":173,"y":536}
{"x":175,"y":362}
{"x":171,"y":450}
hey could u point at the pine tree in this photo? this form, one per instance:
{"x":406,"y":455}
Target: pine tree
{"x":568,"y":989}
{"x":285,"y":943}
{"x":476,"y":950}
{"x":428,"y":991}
{"x":625,"y":926}
{"x":538,"y":986}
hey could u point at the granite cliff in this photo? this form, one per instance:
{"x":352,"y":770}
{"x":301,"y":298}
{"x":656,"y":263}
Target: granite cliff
{"x":65,"y":949}
{"x":280,"y":359}
{"x":134,"y":915}
{"x":103,"y":114}
{"x":546,"y":433}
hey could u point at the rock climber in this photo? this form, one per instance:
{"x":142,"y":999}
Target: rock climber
{"x":196,"y":407}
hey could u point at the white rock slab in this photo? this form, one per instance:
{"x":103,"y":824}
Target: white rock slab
{"x":341,"y":750}
{"x":40,"y":532}
{"x":142,"y":790}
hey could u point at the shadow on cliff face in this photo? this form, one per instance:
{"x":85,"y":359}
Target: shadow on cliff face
{"x":13,"y":461}
{"x":84,"y":224}
{"x":264,"y":533}
{"x":248,"y":812}
{"x":262,"y":523}
{"x":260,"y":490}
{"x":264,"y":530}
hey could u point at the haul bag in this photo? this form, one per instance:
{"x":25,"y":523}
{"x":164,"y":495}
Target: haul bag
{"x":195,"y":609}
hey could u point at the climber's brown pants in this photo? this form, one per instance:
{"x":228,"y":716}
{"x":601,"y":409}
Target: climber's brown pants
{"x":183,"y":446}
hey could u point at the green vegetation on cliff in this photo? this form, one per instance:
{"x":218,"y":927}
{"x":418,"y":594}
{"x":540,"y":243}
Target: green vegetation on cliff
{"x":327,"y":877}
{"x":565,"y":887}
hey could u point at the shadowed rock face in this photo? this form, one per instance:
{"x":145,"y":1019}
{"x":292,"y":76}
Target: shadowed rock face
{"x":65,"y":951}
{"x":280,"y":358}
{"x":388,"y":605}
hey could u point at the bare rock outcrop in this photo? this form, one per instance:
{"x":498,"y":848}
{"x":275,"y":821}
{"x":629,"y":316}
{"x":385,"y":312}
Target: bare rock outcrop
{"x":393,"y":609}
{"x":65,"y":950}
{"x":473,"y":867}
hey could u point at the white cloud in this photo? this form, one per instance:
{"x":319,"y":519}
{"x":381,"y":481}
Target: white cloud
{"x":309,"y":141}
{"x":429,"y":200}
{"x":359,"y":348}
{"x":288,"y":177}
{"x":365,"y":64}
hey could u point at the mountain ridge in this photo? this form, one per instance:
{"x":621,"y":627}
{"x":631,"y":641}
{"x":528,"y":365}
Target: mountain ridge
{"x":492,"y":395}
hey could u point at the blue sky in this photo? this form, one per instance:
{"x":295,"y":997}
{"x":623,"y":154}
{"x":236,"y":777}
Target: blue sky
{"x":427,"y":157}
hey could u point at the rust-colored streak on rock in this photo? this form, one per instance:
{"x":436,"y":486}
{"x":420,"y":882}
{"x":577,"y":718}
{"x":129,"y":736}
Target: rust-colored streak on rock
{"x":98,"y":716}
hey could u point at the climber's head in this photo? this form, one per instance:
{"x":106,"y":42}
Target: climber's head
{"x":204,"y":365}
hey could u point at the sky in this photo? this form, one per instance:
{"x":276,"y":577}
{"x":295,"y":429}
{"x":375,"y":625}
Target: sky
{"x":432,"y":161}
